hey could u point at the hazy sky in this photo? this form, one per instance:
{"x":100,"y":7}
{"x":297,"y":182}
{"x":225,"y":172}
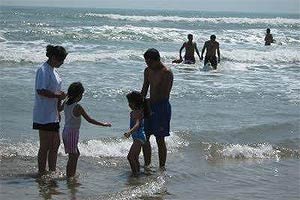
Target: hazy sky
{"x":262,"y":6}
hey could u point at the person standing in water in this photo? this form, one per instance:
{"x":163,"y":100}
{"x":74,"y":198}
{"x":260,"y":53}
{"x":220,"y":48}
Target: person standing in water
{"x":73,"y":112}
{"x":190,"y":48}
{"x":48,"y":97}
{"x":269,"y":38}
{"x":138,"y":105}
{"x":160,"y":80}
{"x":211,"y":46}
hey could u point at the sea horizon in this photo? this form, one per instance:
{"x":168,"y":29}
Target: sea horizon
{"x":234,"y":131}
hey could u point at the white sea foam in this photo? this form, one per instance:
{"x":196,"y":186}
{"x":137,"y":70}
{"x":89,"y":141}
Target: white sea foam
{"x":91,"y":148}
{"x":262,"y":56}
{"x":215,"y":20}
{"x":22,"y":51}
{"x":119,"y":33}
{"x":23,"y":54}
{"x":285,"y":50}
{"x":2,"y":39}
{"x":161,"y":34}
{"x":120,"y":147}
{"x":233,"y":54}
{"x":261,"y":151}
{"x":155,"y":186}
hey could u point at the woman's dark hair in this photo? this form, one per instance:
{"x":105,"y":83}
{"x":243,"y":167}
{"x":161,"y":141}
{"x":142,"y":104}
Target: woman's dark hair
{"x":152,"y":54}
{"x":74,"y":90}
{"x":57,"y":51}
{"x":139,"y":101}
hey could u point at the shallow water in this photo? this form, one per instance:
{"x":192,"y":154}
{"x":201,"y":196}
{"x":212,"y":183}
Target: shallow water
{"x":235,"y":131}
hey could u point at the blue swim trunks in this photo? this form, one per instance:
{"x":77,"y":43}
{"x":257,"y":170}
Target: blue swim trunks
{"x":159,"y":122}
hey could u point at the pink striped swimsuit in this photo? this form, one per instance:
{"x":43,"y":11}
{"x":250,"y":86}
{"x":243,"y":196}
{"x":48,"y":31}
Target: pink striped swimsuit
{"x":70,"y":133}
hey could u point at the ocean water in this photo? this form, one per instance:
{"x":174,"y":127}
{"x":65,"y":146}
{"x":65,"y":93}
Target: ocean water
{"x":235,"y":131}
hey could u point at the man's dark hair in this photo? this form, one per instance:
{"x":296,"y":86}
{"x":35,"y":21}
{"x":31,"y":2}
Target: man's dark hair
{"x":152,"y":54}
{"x":213,"y":37}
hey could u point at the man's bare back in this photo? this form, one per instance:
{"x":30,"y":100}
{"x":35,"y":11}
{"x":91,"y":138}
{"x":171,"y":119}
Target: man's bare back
{"x":160,"y":82}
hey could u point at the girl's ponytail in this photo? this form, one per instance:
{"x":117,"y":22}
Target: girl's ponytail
{"x":74,"y":90}
{"x":140,"y":102}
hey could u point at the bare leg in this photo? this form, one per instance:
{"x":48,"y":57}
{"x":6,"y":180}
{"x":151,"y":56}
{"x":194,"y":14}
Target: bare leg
{"x":162,"y":151}
{"x":147,"y":151}
{"x":133,"y":156}
{"x":54,"y":145}
{"x":43,"y":151}
{"x":72,"y":164}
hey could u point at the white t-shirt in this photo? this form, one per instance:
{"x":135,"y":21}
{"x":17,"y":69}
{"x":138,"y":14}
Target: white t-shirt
{"x":45,"y":109}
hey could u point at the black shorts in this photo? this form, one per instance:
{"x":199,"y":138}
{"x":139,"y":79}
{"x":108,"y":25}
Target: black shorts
{"x":46,"y":127}
{"x":189,"y":60}
{"x":213,"y":61}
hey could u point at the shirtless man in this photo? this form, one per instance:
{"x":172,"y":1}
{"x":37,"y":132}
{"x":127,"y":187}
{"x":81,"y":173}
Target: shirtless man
{"x":160,"y":79}
{"x":190,"y":48}
{"x":211,"y":47}
{"x":269,"y":37}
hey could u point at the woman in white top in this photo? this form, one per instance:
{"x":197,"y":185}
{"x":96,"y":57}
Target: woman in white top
{"x":48,"y":97}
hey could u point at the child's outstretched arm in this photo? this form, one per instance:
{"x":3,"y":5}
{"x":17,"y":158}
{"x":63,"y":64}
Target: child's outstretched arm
{"x":133,"y":129}
{"x":79,"y":109}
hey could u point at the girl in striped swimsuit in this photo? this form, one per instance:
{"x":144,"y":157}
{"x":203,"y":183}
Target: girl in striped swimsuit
{"x":73,"y":112}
